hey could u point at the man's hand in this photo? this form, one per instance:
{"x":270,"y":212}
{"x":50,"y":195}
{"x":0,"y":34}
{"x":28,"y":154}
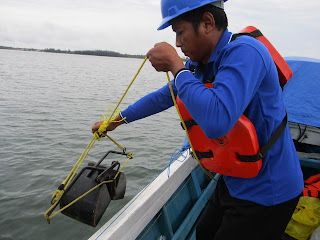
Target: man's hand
{"x":96,"y":126}
{"x":164,"y":58}
{"x":111,"y":126}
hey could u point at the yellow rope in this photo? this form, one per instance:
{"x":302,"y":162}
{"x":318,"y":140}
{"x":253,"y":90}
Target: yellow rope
{"x":97,"y":136}
{"x":185,"y":128}
{"x":59,"y":193}
{"x":92,"y":189}
{"x":119,"y":146}
{"x":77,"y":199}
{"x":79,"y":162}
{"x":129,"y":157}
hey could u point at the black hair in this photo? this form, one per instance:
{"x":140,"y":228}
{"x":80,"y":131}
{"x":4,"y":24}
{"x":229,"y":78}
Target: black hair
{"x":195,"y":16}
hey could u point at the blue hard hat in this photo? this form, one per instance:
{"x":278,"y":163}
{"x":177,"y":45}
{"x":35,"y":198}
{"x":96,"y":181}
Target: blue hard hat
{"x":171,"y":9}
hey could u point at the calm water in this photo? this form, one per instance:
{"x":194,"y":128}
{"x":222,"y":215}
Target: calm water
{"x":48,"y":103}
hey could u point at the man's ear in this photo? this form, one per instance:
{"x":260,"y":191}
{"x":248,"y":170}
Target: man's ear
{"x":209,"y":22}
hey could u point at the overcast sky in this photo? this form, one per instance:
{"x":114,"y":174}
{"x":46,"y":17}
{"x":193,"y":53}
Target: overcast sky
{"x":129,"y":26}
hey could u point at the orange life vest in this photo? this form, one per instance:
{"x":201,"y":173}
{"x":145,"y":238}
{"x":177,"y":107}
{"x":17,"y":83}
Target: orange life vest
{"x":222,"y":155}
{"x":237,"y":153}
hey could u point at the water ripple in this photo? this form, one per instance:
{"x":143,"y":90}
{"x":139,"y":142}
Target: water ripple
{"x":48,"y":103}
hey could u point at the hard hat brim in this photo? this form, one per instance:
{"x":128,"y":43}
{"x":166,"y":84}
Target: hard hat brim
{"x":166,"y":21}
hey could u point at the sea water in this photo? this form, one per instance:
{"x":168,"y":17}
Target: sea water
{"x":48,"y":103}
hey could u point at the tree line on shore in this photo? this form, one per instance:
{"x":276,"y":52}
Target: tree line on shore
{"x":81,"y":52}
{"x":105,"y":53}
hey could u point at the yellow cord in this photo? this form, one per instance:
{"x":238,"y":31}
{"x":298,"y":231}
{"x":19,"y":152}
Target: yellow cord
{"x":185,"y":128}
{"x":116,"y":143}
{"x":89,"y":191}
{"x":77,"y":199}
{"x":97,"y":136}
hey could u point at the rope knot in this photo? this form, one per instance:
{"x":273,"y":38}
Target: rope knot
{"x":56,"y":196}
{"x":103,"y":128}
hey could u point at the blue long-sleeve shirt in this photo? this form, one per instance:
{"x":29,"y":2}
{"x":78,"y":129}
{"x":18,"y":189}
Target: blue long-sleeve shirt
{"x":246,"y":82}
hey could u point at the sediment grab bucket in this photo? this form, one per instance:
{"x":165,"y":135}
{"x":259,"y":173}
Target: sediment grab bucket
{"x":90,"y":208}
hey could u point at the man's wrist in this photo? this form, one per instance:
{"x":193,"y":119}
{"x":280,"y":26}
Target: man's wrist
{"x":177,"y":66}
{"x":121,"y":119}
{"x":180,"y":70}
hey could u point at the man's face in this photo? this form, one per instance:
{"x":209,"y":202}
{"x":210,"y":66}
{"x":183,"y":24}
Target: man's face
{"x":192,"y":43}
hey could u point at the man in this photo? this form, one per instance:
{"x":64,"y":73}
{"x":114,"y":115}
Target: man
{"x":246,"y":82}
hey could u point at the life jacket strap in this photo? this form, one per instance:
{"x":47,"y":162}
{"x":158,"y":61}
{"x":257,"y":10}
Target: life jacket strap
{"x":189,"y":123}
{"x":255,"y":33}
{"x":311,"y":190}
{"x":203,"y":154}
{"x":272,"y":140}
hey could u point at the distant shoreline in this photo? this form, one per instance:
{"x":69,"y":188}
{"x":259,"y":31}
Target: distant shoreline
{"x":104,"y":53}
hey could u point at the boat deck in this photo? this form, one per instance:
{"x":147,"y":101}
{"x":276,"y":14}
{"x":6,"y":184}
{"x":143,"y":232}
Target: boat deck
{"x":176,"y":206}
{"x":177,"y":218}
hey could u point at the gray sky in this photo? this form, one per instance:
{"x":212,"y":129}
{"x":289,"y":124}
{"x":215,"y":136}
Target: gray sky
{"x":292,"y":26}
